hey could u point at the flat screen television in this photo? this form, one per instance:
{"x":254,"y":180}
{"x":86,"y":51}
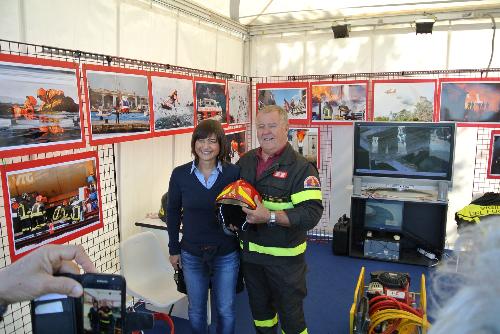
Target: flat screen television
{"x":383,"y":215}
{"x":404,"y":150}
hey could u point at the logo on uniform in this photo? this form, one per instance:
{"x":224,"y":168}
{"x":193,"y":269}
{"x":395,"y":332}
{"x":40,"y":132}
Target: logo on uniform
{"x":311,"y":182}
{"x":280,"y":174}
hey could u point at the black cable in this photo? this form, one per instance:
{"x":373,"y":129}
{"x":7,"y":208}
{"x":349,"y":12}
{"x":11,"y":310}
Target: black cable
{"x":492,"y":40}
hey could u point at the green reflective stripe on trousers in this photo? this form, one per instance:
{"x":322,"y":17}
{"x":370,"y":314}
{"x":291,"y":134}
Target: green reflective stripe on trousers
{"x":306,"y":195}
{"x":275,"y":206}
{"x":267,"y":323}
{"x":303,"y":332}
{"x":278,"y":251}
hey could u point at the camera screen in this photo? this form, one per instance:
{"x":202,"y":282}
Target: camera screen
{"x":101,"y":311}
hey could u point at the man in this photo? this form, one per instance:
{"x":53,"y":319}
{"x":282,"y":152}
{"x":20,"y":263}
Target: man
{"x":274,"y":244}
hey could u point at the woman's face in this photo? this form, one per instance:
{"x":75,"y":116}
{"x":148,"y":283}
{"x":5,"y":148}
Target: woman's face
{"x":207,"y":149}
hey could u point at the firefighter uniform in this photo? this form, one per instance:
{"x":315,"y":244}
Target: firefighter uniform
{"x":274,"y":256}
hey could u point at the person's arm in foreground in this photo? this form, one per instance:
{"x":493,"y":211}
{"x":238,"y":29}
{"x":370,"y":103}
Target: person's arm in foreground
{"x":33,"y":275}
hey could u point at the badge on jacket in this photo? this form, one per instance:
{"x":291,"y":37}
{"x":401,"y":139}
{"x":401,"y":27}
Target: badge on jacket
{"x":280,"y":174}
{"x":311,"y":182}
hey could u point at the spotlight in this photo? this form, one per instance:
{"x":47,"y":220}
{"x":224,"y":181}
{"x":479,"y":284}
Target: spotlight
{"x":340,"y":30}
{"x":424,"y":26}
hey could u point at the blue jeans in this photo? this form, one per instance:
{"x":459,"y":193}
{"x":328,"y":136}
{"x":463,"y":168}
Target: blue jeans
{"x":225,"y":274}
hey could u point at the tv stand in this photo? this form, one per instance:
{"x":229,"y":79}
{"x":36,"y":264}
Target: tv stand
{"x":419,"y":239}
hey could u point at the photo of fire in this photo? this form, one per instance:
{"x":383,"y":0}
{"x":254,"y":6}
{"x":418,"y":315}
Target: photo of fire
{"x":338,"y":102}
{"x":237,"y":144}
{"x":306,"y":142}
{"x":39,"y":106}
{"x":51,"y":200}
{"x":477,"y":101}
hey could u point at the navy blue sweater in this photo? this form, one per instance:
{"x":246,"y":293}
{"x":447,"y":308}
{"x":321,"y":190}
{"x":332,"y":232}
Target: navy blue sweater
{"x":191,"y":202}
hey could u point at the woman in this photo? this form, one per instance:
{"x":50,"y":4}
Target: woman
{"x":205,"y":254}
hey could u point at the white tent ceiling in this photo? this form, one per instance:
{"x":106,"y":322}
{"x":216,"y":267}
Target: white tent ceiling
{"x":267,"y":12}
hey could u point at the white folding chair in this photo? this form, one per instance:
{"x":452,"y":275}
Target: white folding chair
{"x":148,"y":273}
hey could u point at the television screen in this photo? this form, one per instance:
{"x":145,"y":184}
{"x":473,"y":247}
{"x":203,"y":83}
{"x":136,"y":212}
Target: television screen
{"x":383,"y":215}
{"x":408,"y":150}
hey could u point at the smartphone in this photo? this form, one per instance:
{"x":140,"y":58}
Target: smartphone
{"x":103,"y":304}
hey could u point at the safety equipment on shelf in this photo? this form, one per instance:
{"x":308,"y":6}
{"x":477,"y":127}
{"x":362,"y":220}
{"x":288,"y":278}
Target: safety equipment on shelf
{"x":230,"y":201}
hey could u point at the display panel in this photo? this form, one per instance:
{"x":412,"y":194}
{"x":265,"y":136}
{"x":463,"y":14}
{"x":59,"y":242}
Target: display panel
{"x":211,"y":100}
{"x":470,"y":101}
{"x":306,"y":142}
{"x":337,"y":102}
{"x":494,"y":156}
{"x":40,"y":107}
{"x":172,"y":103}
{"x":291,"y":96}
{"x":51,"y":201}
{"x":117,"y":104}
{"x":405,"y":150}
{"x":102,"y":311}
{"x":239,"y":102}
{"x":383,"y":215}
{"x":403,"y":100}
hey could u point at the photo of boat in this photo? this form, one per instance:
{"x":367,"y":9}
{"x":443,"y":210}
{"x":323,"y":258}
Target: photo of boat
{"x":211,"y":101}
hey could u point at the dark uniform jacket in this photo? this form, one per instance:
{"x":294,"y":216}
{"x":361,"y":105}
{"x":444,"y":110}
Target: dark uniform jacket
{"x":290,"y":184}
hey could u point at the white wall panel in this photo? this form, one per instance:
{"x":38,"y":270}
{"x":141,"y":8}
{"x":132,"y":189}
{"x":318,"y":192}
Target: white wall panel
{"x":472,"y":49}
{"x":409,"y":51}
{"x":197,"y":45}
{"x":229,"y":54}
{"x":9,"y":24}
{"x":182,"y":149}
{"x":342,"y":160}
{"x":324,"y":54}
{"x":147,"y":33}
{"x":276,"y":55}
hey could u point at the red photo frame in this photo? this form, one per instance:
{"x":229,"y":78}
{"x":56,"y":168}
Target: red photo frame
{"x":237,"y":141}
{"x":405,"y":96}
{"x":114,"y":103}
{"x":171,"y":102}
{"x":470,"y":102}
{"x":284,"y":94}
{"x":51,"y":200}
{"x":239,"y":111}
{"x":494,"y":156}
{"x":51,"y":116}
{"x":210,"y":100}
{"x":306,"y":141}
{"x":356,"y":109}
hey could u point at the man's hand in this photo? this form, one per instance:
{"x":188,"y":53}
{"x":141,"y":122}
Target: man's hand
{"x":260,"y":215}
{"x":33,"y":275}
{"x":175,"y":261}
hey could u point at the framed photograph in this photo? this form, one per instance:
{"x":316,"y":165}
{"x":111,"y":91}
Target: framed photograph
{"x":51,"y":201}
{"x":172,"y":103}
{"x":239,"y":102}
{"x":338,"y":102}
{"x":411,"y":100}
{"x":237,"y":140}
{"x":306,"y":142}
{"x":117,"y":104}
{"x":211,"y":100}
{"x":494,"y":157}
{"x":291,"y":96}
{"x":40,"y":107}
{"x":471,"y":101}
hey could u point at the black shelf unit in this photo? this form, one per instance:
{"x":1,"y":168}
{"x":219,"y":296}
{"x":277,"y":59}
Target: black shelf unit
{"x":423,"y":226}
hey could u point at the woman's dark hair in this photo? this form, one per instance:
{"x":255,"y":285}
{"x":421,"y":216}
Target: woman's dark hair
{"x":206,"y":128}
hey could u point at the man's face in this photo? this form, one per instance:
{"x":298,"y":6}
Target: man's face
{"x":272,"y":132}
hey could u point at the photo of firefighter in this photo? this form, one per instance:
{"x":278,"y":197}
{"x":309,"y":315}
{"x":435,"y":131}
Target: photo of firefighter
{"x":52,"y":202}
{"x":237,"y":145}
{"x":101,"y":311}
{"x":305,"y":141}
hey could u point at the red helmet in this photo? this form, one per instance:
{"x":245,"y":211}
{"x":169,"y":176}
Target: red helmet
{"x":230,"y":201}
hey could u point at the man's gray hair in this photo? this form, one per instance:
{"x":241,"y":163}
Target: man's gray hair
{"x":270,"y":108}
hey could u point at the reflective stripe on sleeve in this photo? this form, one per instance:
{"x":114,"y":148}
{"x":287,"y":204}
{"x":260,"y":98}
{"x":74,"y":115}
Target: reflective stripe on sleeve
{"x":306,"y":195}
{"x":277,"y":206}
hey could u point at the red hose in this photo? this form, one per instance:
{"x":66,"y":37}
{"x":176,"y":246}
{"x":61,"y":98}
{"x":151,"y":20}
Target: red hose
{"x":165,"y":317}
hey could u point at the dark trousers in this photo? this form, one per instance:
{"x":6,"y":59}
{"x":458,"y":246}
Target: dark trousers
{"x":277,"y":292}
